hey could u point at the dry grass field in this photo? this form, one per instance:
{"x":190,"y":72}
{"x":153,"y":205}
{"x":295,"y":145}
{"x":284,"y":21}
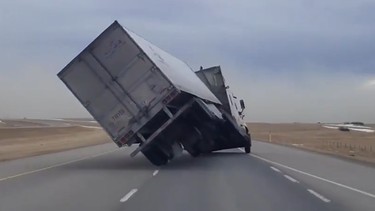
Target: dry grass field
{"x":22,"y":142}
{"x":356,"y":145}
{"x":19,"y":123}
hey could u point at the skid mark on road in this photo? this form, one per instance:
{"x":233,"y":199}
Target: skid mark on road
{"x":57,"y":165}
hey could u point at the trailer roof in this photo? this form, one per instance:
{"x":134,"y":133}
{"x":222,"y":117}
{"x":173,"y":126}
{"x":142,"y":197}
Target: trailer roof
{"x":180,"y":74}
{"x":177,"y":71}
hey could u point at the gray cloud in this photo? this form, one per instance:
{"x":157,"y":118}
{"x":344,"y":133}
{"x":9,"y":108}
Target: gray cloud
{"x":292,"y":61}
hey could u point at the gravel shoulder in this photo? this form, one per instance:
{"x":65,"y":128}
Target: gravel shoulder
{"x":353,"y":145}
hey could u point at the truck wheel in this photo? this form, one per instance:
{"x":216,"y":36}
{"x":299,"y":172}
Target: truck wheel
{"x":194,"y":153}
{"x":248,"y":144}
{"x":155,"y":156}
{"x":247,"y":149}
{"x":176,"y":149}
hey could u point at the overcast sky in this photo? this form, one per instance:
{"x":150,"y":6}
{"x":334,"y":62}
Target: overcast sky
{"x":292,"y":61}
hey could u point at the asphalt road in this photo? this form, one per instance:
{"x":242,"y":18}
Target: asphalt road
{"x":105,"y":178}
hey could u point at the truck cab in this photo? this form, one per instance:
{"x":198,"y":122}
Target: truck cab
{"x":215,"y":81}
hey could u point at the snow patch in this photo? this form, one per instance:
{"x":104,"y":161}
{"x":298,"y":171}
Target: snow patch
{"x":331,"y":127}
{"x":56,"y":119}
{"x":358,"y":128}
{"x":362,"y":130}
{"x":92,"y":127}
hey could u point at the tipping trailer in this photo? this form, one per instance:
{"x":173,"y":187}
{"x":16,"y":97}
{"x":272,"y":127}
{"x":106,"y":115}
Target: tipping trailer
{"x":142,"y":95}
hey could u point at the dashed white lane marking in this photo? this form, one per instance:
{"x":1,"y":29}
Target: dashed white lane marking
{"x":319,"y":196}
{"x":54,"y":166}
{"x":314,"y":176}
{"x":291,"y":178}
{"x":155,"y":173}
{"x":275,"y":169}
{"x":128,"y":195}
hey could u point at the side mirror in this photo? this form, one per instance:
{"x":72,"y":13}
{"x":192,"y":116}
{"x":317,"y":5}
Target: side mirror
{"x":242,"y":103}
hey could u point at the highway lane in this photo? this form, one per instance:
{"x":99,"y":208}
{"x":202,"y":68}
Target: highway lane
{"x":229,"y":180}
{"x":93,"y":181}
{"x":104,"y":178}
{"x":20,"y":166}
{"x":349,"y":182}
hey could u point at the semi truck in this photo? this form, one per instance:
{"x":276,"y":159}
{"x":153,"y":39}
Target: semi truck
{"x":143,"y":96}
{"x":214,"y":80}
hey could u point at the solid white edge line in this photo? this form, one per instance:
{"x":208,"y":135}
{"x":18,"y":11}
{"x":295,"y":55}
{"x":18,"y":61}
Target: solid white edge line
{"x":128,"y":195}
{"x":275,"y":169}
{"x":54,"y":166}
{"x":319,"y":196}
{"x":291,"y":178}
{"x":316,"y":177}
{"x":155,"y":173}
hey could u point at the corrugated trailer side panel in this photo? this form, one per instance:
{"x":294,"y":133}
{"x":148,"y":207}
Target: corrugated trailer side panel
{"x":177,"y":71}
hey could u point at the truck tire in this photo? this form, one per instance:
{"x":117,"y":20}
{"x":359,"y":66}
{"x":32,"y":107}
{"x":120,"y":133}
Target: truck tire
{"x":155,"y":156}
{"x":192,"y":150}
{"x":194,"y":153}
{"x":247,"y":149}
{"x":248,"y":145}
{"x":177,"y":149}
{"x":190,"y":142}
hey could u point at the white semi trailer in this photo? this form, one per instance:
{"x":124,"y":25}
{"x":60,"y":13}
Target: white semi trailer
{"x":142,"y":95}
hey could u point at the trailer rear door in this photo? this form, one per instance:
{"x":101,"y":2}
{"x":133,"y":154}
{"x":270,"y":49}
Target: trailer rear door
{"x":116,"y":82}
